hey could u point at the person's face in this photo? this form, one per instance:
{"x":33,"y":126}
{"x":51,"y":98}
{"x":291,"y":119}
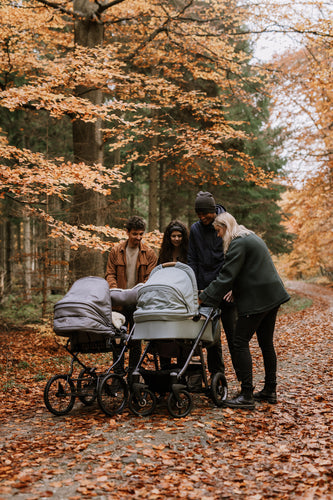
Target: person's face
{"x":134,"y":237}
{"x":220,"y":230}
{"x":206,"y":218}
{"x":176,"y":238}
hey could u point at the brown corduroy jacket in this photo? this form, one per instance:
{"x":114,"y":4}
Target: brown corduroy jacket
{"x":116,"y":265}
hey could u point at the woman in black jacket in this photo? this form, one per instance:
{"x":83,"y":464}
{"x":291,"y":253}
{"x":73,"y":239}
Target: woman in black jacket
{"x":249,"y":273}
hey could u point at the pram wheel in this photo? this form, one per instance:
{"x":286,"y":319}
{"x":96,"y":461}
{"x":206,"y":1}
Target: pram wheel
{"x":86,"y":387}
{"x":180,"y":405}
{"x":59,"y":395}
{"x":112,"y":394}
{"x":219,"y":389}
{"x":142,"y":402}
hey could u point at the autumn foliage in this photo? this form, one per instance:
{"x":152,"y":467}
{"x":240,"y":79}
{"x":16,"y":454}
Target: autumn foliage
{"x":278,"y":451}
{"x":311,"y":222}
{"x":154,"y":85}
{"x":158,"y":83}
{"x":305,"y":100}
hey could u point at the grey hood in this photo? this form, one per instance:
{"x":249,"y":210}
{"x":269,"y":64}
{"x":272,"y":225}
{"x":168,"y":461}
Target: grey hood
{"x":170,"y":293}
{"x":86,"y":307}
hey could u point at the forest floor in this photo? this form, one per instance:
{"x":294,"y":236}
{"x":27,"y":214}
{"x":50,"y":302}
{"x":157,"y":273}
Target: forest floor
{"x":281,"y":451}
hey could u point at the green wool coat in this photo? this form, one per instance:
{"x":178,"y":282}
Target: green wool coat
{"x":251,"y":275}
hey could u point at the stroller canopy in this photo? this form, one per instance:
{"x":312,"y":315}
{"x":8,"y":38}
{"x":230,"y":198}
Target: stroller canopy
{"x":170,"y":293}
{"x":86,"y":307}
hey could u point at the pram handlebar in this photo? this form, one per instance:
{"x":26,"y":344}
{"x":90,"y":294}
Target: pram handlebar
{"x":125,"y":297}
{"x":169,"y":264}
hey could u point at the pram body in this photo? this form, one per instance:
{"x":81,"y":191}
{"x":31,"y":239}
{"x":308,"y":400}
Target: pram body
{"x":168,"y":310}
{"x":84,"y":317}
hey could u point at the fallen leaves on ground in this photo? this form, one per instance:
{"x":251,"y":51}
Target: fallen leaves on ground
{"x":278,"y":451}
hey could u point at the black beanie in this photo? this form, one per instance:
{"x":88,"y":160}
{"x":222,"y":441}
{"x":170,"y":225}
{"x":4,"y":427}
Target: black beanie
{"x":205,"y":202}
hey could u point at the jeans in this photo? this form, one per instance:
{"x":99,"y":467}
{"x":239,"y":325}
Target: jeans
{"x":263,"y":324}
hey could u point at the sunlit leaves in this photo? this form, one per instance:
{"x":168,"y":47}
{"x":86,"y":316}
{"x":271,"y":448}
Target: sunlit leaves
{"x":311,"y":220}
{"x":305,"y":102}
{"x":167,"y":71}
{"x":92,"y":237}
{"x":31,"y":176}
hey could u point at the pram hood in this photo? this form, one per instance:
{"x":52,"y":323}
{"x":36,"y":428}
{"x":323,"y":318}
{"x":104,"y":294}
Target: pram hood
{"x":170,"y":293}
{"x":86,"y":307}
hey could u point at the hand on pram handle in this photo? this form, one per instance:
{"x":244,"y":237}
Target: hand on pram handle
{"x":118,"y":319}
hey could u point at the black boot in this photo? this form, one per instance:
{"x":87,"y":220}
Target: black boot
{"x":243,"y":400}
{"x":268,"y":393}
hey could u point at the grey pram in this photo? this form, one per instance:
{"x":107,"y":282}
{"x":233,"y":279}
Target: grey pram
{"x":168,"y":317}
{"x":84,"y":315}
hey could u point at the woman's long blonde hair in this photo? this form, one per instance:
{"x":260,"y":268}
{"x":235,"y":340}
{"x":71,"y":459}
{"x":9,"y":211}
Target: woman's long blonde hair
{"x":233,"y":229}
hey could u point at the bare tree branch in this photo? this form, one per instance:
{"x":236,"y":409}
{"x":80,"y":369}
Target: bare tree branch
{"x":57,"y":6}
{"x":106,"y":6}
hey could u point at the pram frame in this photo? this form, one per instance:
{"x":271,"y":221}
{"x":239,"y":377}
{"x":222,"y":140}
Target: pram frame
{"x":142,"y":400}
{"x":62,"y":390}
{"x":87,"y":386}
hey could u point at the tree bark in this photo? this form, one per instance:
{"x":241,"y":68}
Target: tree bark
{"x":88,"y":207}
{"x":162,"y":221}
{"x":153,"y":190}
{"x":27,"y":257}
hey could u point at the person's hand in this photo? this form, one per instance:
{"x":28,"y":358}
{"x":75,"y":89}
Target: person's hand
{"x":228,"y":297}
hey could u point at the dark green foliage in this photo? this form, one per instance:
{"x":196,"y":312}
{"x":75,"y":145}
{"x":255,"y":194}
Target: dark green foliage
{"x":38,"y":131}
{"x":16,"y":310}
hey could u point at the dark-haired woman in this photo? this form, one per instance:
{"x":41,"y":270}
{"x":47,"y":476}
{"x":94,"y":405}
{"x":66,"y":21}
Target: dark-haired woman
{"x":175,"y":243}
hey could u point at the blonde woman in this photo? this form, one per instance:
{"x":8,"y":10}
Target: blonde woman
{"x":248,"y":277}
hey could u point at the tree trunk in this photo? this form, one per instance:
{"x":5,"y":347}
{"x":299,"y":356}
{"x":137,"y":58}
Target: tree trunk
{"x":153,"y":189}
{"x":162,"y":216}
{"x":8,"y":248}
{"x":27,"y":257}
{"x":190,"y":205}
{"x":88,"y":207}
{"x":3,"y":257}
{"x":132,"y":197}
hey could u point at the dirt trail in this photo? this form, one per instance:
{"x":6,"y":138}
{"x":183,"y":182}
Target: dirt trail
{"x":313,"y":291}
{"x":281,"y":451}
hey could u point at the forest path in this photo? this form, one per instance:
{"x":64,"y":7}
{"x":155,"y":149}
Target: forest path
{"x":314,"y":291}
{"x":281,"y":451}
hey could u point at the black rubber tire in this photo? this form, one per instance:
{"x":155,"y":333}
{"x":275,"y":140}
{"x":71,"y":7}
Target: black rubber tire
{"x":219,"y":389}
{"x":86,"y":387}
{"x":112,"y":394}
{"x":143,"y":406}
{"x":59,"y":395}
{"x":180,"y":409}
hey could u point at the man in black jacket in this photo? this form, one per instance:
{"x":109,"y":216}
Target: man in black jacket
{"x":206,"y":258}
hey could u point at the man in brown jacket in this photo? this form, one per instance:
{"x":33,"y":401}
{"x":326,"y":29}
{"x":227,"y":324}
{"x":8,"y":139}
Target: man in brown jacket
{"x":129,"y":263}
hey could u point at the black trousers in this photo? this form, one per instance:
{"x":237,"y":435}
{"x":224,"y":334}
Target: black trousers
{"x":229,"y":321}
{"x":214,"y":351}
{"x":263,"y":325}
{"x":134,"y":346}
